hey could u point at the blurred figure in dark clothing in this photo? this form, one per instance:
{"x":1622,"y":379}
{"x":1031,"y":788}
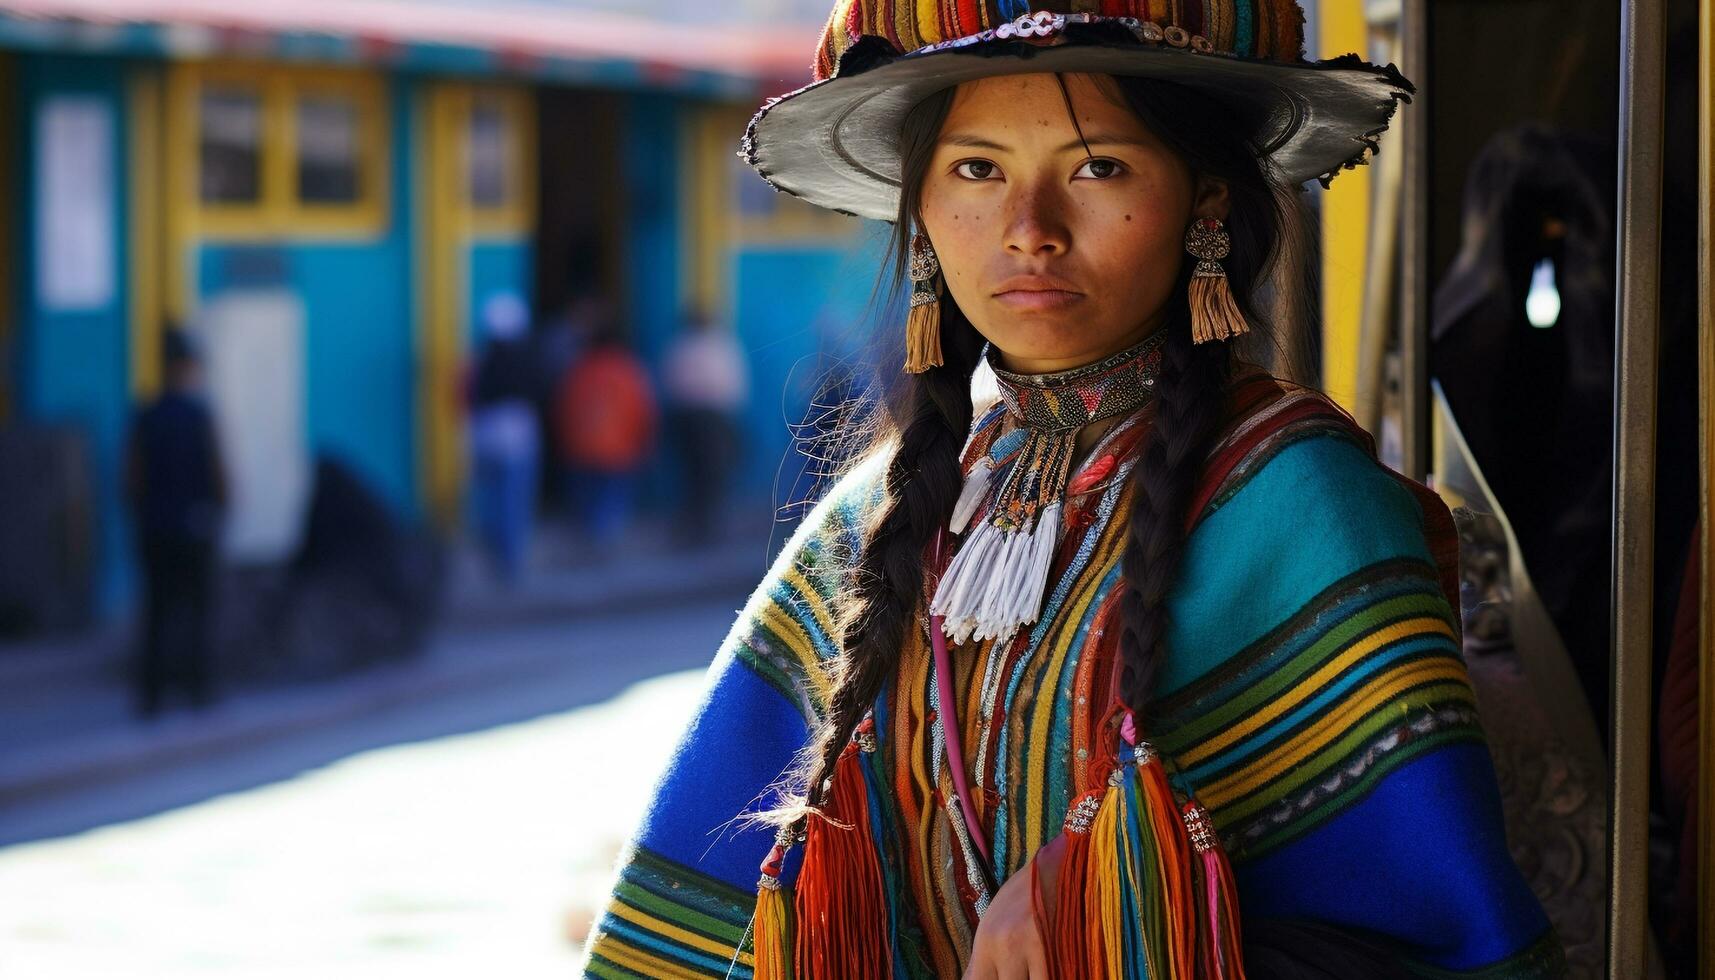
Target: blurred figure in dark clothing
{"x":706,"y":383}
{"x":177,"y":488}
{"x":363,"y":585}
{"x":1522,"y":344}
{"x":505,"y":435}
{"x":563,"y":337}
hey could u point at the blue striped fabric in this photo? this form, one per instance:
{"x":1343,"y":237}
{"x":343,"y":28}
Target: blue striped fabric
{"x":1315,"y":700}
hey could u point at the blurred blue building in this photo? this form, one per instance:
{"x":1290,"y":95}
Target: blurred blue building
{"x":325,"y":193}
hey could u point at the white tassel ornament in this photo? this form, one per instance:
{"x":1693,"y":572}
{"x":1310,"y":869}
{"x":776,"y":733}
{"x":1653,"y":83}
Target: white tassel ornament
{"x":1018,"y":464}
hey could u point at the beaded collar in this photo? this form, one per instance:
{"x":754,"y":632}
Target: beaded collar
{"x":1075,"y":397}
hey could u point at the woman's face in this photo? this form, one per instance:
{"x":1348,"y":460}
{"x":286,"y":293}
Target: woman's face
{"x":1058,"y":256}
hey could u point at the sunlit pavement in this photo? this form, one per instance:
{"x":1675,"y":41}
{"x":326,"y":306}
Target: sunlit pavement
{"x":477,"y":854}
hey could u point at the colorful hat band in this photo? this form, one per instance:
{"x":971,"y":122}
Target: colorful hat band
{"x":1265,"y":29}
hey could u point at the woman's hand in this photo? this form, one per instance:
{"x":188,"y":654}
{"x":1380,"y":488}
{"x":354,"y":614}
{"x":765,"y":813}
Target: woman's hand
{"x":1010,"y":944}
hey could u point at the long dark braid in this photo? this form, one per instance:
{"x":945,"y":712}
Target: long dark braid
{"x":922,"y":483}
{"x":929,"y":417}
{"x":1193,"y":379}
{"x":1187,"y":410}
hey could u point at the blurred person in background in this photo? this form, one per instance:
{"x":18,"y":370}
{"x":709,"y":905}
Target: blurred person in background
{"x":176,"y":485}
{"x":605,"y":418}
{"x":561,"y":341}
{"x":504,"y":435}
{"x":706,"y":382}
{"x":563,"y":337}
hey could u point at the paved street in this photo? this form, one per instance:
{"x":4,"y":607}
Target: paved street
{"x":457,"y":835}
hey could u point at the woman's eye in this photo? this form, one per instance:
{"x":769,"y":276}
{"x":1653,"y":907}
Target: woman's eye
{"x":1099,"y":169}
{"x":975,"y":169}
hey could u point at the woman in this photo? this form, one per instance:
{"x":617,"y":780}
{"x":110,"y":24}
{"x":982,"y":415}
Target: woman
{"x":1080,"y":682}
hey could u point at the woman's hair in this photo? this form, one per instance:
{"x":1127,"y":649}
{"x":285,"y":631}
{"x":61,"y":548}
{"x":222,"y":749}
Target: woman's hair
{"x":922,"y":423}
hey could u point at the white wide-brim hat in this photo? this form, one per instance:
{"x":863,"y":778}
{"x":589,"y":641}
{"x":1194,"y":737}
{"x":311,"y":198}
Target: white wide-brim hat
{"x":835,"y":142}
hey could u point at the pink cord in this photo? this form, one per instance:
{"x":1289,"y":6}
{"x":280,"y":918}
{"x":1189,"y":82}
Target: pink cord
{"x":948,"y":717}
{"x":1212,"y":876}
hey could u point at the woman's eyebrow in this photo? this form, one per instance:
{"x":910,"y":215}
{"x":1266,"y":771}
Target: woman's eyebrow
{"x":982,"y":143}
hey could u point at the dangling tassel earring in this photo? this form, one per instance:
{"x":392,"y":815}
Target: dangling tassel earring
{"x":1214,"y":313}
{"x":923,"y":324}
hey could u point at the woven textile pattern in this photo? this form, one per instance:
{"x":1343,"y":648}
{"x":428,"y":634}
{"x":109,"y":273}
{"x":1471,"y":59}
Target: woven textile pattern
{"x":1266,"y":29}
{"x":1314,"y":698}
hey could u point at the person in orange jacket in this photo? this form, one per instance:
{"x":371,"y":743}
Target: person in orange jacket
{"x":605,"y":419}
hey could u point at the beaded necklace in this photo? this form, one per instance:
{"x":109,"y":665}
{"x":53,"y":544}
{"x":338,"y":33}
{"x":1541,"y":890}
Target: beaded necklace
{"x":1017,"y":463}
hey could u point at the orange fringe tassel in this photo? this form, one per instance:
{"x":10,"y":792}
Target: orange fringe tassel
{"x":841,"y":910}
{"x":1177,"y":884}
{"x":1193,"y":897}
{"x":1070,"y":949}
{"x":1214,"y":312}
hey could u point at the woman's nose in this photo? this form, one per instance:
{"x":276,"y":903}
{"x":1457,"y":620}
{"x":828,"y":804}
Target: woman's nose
{"x":1036,"y":224}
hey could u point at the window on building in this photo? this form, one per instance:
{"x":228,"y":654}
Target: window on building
{"x":330,"y":168}
{"x":280,"y":151}
{"x":497,"y":131}
{"x":490,"y":155}
{"x":230,"y":143}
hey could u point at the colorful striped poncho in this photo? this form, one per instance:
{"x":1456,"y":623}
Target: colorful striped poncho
{"x":1314,"y":699}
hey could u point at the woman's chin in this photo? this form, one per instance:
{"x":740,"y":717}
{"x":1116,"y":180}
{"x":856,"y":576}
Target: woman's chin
{"x":1041,"y":342}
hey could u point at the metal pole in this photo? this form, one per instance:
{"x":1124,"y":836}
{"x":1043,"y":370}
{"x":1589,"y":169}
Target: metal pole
{"x":1642,"y":56}
{"x":1381,"y":272}
{"x":1414,"y":245}
{"x":1705,"y":920}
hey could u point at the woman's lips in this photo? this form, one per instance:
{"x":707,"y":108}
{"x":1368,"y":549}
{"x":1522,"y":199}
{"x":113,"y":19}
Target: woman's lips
{"x":1038,"y":299}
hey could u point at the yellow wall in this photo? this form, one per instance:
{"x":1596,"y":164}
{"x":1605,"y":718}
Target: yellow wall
{"x":451,"y":224}
{"x":707,"y":193}
{"x":441,"y":285}
{"x":148,"y":240}
{"x":1345,"y":224}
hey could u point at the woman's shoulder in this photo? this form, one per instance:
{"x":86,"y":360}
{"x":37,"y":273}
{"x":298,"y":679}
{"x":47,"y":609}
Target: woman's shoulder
{"x":1294,"y":466}
{"x":1300,"y":511}
{"x":789,"y":628}
{"x":1265,"y":415}
{"x":833,"y":528}
{"x":811,"y":569}
{"x":1317,"y":487}
{"x":1311,"y":529}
